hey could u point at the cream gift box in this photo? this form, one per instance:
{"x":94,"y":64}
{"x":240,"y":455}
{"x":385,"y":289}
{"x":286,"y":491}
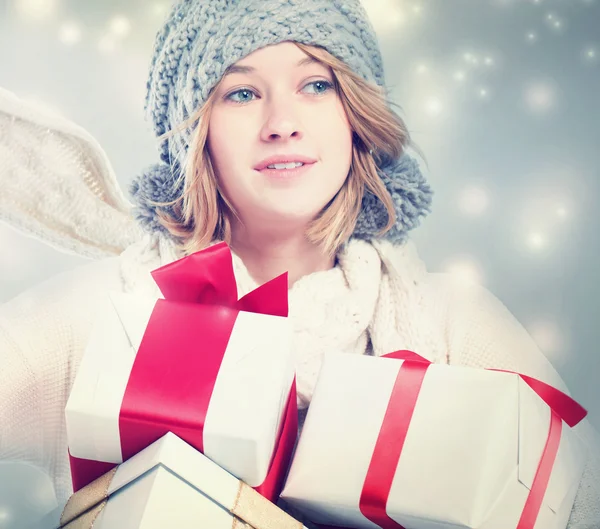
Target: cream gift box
{"x":170,"y":484}
{"x":200,"y":364}
{"x":469,"y":456}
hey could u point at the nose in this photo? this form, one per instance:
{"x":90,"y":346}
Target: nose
{"x":281,"y":121}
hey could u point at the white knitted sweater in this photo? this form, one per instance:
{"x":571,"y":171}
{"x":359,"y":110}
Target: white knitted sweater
{"x":379,"y":298}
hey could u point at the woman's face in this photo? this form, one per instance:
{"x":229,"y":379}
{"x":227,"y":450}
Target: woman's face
{"x":278,"y":102}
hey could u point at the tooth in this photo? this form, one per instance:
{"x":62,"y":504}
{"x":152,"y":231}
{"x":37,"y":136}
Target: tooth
{"x":291,"y":165}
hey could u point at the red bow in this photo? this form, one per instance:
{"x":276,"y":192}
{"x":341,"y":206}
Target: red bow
{"x":207,"y":277}
{"x":175,"y":369}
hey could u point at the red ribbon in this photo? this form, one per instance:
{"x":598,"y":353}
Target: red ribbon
{"x":388,"y":448}
{"x":175,"y":369}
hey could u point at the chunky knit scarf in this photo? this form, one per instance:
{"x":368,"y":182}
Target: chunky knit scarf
{"x":364,"y":304}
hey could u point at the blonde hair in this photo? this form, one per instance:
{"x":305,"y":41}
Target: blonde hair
{"x":202,"y":212}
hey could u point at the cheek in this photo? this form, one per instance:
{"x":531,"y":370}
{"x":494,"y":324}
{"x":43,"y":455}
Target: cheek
{"x":231,"y":159}
{"x":217,"y":137}
{"x":344,"y":131}
{"x":338,"y":137}
{"x":223,"y":146}
{"x":214,"y":144}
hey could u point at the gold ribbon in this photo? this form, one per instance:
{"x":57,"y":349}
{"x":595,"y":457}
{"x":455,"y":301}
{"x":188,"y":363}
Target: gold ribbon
{"x":257,"y":512}
{"x":85,"y":505}
{"x":260,"y":513}
{"x":238,"y":524}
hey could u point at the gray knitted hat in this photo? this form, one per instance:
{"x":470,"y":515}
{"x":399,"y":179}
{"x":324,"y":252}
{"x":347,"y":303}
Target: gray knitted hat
{"x":202,"y":38}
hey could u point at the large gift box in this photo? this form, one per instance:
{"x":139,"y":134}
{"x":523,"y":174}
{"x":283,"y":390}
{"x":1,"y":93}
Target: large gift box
{"x":215,"y":370}
{"x":170,"y":484}
{"x":401,"y":443}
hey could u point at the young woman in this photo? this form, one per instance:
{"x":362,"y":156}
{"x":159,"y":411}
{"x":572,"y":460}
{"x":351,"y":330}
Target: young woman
{"x":275,"y":136}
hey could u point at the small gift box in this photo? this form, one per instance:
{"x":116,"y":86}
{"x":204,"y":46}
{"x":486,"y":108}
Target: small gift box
{"x":170,"y":484}
{"x":401,"y":443}
{"x":215,"y":370}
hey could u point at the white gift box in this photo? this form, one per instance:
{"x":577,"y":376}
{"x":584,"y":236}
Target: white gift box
{"x":170,"y":484}
{"x":469,"y":459}
{"x":246,"y":407}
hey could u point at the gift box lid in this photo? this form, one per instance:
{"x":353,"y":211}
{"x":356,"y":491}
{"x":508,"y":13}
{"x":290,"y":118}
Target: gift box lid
{"x":191,"y":466}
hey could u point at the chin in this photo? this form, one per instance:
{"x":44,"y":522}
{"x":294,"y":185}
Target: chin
{"x":291,"y":216}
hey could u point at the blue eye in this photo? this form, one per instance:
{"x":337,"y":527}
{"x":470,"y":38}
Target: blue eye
{"x":326,"y":84}
{"x":240,"y":91}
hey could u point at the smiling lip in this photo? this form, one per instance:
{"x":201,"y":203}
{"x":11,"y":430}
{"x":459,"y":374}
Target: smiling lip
{"x":286,"y":174}
{"x":283,"y":158}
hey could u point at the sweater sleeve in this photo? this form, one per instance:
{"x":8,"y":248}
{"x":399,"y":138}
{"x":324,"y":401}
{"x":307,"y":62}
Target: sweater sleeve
{"x":42,"y":337}
{"x":58,"y":184}
{"x":483,"y":333}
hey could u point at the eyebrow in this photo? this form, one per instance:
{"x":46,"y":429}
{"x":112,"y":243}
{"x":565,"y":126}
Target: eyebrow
{"x":249,"y":69}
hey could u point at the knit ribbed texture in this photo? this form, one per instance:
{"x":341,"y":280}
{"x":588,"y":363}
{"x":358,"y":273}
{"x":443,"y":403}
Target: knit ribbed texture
{"x":57,"y":185}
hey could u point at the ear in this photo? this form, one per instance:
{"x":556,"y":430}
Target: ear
{"x":57,"y":184}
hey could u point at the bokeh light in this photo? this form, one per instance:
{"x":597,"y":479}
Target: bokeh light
{"x":590,"y":54}
{"x":386,"y":15}
{"x":483,"y":93}
{"x":474,"y":201}
{"x":160,"y":9}
{"x":459,"y":76}
{"x":434,"y":106}
{"x":531,"y":37}
{"x":70,"y":33}
{"x":37,"y":10}
{"x":555,"y":23}
{"x":540,"y":96}
{"x":470,"y":58}
{"x":544,"y":220}
{"x":464,"y":269}
{"x":549,"y":338}
{"x":120,"y":26}
{"x":537,"y":240}
{"x":422,"y":68}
